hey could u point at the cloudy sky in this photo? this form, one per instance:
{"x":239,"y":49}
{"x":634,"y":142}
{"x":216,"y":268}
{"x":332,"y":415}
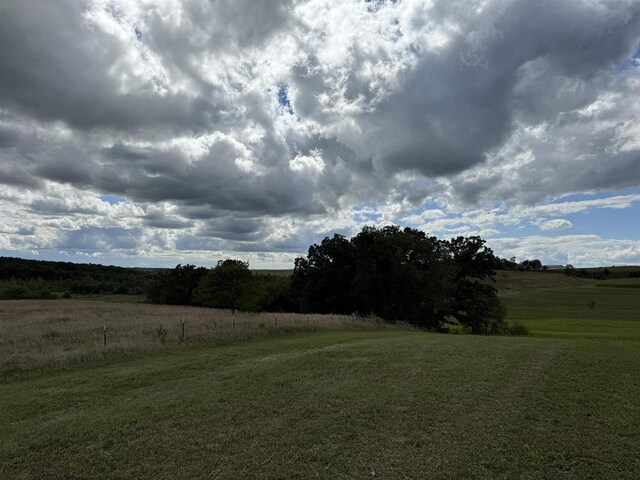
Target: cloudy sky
{"x":156,"y":132}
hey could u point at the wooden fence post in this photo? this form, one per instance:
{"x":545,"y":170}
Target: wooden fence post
{"x":104,"y":335}
{"x":233,"y":319}
{"x":183,"y":330}
{"x":276,"y":320}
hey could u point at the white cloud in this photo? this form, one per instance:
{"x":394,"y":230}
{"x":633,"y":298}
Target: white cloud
{"x":578,"y":250}
{"x":555,"y":224}
{"x":490,"y":114}
{"x":312,"y":163}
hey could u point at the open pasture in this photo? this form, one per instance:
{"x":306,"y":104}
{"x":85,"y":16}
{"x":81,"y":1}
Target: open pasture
{"x":605,"y":310}
{"x":336,"y":403}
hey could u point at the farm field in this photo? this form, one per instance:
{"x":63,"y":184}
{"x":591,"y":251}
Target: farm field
{"x":604,"y":310}
{"x":335,"y":402}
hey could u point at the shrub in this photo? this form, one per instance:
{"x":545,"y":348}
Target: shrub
{"x":518,"y":329}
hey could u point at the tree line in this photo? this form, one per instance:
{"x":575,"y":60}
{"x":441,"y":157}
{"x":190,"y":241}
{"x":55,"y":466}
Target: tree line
{"x":396,"y":274}
{"x":24,"y":279}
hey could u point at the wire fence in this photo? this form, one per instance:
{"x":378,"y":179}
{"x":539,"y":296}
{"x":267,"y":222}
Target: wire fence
{"x":55,"y":332}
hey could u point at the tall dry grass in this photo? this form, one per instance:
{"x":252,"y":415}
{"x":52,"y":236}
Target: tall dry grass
{"x":41,"y":333}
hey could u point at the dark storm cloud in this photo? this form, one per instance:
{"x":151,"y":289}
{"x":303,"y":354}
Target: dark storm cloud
{"x":458,"y":104}
{"x":232,"y":228}
{"x":88,"y":239}
{"x":56,"y":66}
{"x":160,"y":220}
{"x":54,"y":206}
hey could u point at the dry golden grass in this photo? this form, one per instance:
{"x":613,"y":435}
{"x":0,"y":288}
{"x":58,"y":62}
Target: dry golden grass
{"x":41,"y":333}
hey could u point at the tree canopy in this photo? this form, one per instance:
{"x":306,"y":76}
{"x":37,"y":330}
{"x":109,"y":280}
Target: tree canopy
{"x":224,"y":285}
{"x":401,"y":274}
{"x":175,"y":286}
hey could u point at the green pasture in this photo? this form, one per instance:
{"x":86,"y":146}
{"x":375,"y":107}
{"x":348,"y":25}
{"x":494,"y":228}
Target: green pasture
{"x":605,"y":310}
{"x":562,"y":403}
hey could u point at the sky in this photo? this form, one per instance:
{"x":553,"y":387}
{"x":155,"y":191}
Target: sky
{"x":151,"y":133}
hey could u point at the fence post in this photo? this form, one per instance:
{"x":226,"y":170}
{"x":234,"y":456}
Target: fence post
{"x":104,"y":335}
{"x":183,"y":330}
{"x":233,"y":319}
{"x":276,"y":320}
{"x":331,"y":319}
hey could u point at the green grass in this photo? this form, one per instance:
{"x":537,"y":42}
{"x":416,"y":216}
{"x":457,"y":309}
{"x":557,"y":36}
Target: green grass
{"x":335,"y":405}
{"x":563,"y":403}
{"x":605,"y":310}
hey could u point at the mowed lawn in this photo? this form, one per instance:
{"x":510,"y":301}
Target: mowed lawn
{"x":559,"y":404}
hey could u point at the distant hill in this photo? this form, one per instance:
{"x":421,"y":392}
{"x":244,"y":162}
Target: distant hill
{"x":20,"y":278}
{"x":20,"y":268}
{"x":514,"y":281}
{"x":279,"y":273}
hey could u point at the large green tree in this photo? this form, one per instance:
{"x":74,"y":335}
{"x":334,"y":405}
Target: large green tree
{"x":401,"y":274}
{"x":176,"y":286}
{"x":225,"y":285}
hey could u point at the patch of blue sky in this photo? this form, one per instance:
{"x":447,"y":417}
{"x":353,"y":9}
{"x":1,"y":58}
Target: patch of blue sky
{"x":112,"y":199}
{"x":632,"y":61}
{"x":283,"y":97}
{"x":619,"y":223}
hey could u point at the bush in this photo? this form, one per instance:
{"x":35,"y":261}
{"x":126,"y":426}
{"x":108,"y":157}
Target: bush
{"x":518,"y":330}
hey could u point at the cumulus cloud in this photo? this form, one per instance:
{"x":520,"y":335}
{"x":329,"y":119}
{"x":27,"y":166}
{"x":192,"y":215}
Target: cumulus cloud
{"x":258,"y":127}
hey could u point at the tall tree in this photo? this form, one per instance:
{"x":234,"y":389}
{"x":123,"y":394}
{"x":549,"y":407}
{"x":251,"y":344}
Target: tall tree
{"x":476,"y":304}
{"x":176,"y":286}
{"x":224,"y":285}
{"x":322,"y":281}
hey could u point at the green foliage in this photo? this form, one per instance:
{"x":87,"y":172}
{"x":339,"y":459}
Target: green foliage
{"x":176,"y":286}
{"x":267,"y":293}
{"x":228,"y":285}
{"x":401,"y":275}
{"x":518,"y":329}
{"x":18,"y":277}
{"x":17,"y":289}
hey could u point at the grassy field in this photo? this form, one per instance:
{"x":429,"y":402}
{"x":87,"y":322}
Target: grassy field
{"x":339,"y":403}
{"x":41,"y":334}
{"x":606,"y":310}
